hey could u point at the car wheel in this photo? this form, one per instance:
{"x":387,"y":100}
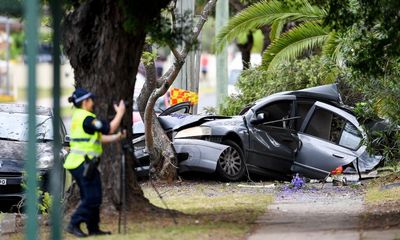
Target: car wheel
{"x":230,"y":166}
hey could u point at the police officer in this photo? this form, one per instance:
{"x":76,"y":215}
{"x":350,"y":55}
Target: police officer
{"x":87,"y":134}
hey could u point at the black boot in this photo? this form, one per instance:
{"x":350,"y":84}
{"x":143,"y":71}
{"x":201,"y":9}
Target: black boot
{"x":99,"y":232}
{"x":75,"y":230}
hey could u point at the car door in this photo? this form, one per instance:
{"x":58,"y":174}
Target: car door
{"x":272,"y":140}
{"x":330,"y":138}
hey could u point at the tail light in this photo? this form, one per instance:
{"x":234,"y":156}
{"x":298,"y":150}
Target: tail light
{"x":338,"y":170}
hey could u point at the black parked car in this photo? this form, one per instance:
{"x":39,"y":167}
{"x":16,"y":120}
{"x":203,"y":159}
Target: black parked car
{"x":307,"y":131}
{"x":13,"y":144}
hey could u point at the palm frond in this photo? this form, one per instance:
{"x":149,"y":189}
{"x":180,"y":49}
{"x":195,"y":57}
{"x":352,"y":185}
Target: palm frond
{"x":265,"y":13}
{"x":276,"y":29}
{"x":333,"y":48}
{"x":294,"y":43}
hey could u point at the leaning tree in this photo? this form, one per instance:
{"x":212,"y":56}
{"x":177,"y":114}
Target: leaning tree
{"x":162,"y":154}
{"x":104,"y":40}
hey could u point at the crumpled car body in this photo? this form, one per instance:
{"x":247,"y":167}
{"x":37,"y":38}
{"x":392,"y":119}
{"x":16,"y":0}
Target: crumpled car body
{"x":307,"y":131}
{"x":13,"y":144}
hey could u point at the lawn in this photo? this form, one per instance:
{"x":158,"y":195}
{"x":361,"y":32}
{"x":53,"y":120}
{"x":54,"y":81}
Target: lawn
{"x":208,"y":210}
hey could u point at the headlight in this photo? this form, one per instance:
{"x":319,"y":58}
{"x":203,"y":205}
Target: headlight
{"x":45,"y":162}
{"x":194,"y":132}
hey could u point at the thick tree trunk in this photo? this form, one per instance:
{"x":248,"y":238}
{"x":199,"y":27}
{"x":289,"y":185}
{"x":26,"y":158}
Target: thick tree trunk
{"x":105,"y":58}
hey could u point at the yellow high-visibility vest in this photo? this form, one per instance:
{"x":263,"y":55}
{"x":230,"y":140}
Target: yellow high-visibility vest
{"x":82,"y":143}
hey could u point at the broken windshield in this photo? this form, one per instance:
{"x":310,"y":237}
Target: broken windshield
{"x":14,"y":126}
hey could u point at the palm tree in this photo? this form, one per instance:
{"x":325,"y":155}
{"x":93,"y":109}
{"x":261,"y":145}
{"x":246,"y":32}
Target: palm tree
{"x":308,"y":34}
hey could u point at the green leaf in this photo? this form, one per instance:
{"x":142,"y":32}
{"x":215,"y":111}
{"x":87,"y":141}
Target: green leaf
{"x":294,"y":43}
{"x":266,"y":13}
{"x":276,"y":29}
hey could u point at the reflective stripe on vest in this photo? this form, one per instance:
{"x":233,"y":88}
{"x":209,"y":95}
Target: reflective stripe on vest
{"x":83,"y":140}
{"x":82,"y":143}
{"x":75,"y":151}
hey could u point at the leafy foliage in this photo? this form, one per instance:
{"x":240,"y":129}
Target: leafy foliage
{"x":294,"y":43}
{"x":275,"y":12}
{"x":371,"y":47}
{"x":382,"y":137}
{"x":45,"y":199}
{"x":293,"y":75}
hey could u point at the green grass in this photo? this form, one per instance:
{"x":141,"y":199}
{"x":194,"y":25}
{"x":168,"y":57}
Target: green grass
{"x":375,"y":193}
{"x":207,"y":211}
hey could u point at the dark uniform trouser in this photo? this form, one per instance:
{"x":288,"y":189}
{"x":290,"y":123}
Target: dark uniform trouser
{"x":88,"y":210}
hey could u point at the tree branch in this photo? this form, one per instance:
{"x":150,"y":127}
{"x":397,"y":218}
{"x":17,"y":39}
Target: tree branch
{"x":168,"y":78}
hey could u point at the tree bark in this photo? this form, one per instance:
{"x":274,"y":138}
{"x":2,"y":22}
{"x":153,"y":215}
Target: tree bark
{"x":105,"y":58}
{"x":160,"y":151}
{"x":245,"y":49}
{"x":266,"y":31}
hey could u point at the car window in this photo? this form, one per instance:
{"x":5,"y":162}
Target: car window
{"x":334,"y":128}
{"x":351,"y":137}
{"x":277,"y":111}
{"x":303,"y":107}
{"x":14,"y":126}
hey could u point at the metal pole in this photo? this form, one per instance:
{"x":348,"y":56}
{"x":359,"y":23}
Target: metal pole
{"x":31,"y":28}
{"x":186,"y":74}
{"x":222,"y":16}
{"x":8,"y":56}
{"x":57,"y":176}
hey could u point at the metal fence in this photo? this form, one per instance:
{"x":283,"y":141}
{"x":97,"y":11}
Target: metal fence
{"x":31,"y":13}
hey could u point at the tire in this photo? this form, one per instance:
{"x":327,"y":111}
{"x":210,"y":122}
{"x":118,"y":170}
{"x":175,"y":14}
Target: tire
{"x":230,"y":165}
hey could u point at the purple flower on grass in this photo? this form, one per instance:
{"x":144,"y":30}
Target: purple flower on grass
{"x":297,"y":182}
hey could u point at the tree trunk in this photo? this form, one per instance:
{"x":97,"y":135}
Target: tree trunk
{"x":266,"y":31}
{"x":161,"y":152}
{"x":245,"y":49}
{"x":105,"y":58}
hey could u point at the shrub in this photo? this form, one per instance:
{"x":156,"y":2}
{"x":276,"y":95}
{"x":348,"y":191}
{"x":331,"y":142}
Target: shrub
{"x":257,"y":83}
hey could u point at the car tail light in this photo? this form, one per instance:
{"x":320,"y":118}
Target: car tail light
{"x":338,"y":170}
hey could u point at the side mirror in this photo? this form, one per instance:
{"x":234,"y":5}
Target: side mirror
{"x":67,"y":140}
{"x":260,"y":117}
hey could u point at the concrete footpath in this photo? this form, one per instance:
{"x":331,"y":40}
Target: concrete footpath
{"x":322,"y":213}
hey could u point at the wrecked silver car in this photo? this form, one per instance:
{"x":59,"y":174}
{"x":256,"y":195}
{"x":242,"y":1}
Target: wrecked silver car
{"x":307,"y":131}
{"x":13,"y":144}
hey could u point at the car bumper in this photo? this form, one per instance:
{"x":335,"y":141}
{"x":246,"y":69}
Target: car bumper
{"x":193,"y":155}
{"x":202,"y":155}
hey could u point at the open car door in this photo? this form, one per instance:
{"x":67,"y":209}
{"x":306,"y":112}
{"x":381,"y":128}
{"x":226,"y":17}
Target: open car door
{"x":273,"y":141}
{"x":331,"y":138}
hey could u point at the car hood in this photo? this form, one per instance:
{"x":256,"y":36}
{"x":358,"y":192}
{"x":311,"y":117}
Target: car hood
{"x":178,"y":123}
{"x":13,"y":154}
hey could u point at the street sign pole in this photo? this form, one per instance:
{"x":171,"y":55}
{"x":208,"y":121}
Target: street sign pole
{"x":222,"y":16}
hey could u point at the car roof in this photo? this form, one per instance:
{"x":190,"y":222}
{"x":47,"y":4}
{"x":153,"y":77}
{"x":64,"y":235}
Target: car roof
{"x":329,"y":93}
{"x":23,"y":108}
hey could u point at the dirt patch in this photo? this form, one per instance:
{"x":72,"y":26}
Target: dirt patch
{"x":381,"y":216}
